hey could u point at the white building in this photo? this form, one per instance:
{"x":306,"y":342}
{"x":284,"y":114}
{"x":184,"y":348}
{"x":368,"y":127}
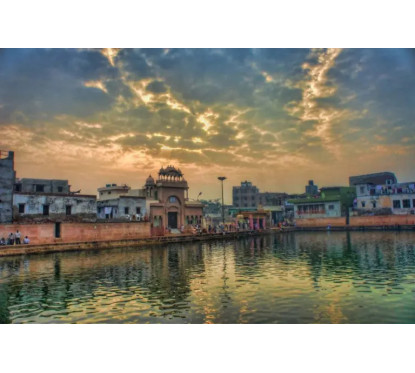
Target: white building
{"x":398,"y":198}
{"x":53,"y":207}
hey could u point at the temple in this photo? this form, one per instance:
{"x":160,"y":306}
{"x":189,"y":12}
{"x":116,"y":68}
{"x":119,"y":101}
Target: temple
{"x":169,"y":205}
{"x":164,"y":202}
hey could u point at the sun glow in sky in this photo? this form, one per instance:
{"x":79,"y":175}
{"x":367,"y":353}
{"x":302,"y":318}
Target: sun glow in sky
{"x":276,"y":117}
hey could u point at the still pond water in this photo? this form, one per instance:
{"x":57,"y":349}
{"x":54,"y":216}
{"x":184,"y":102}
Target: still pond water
{"x":319,"y":277}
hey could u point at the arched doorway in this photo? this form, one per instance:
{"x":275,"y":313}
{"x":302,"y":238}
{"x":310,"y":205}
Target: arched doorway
{"x":173,"y":212}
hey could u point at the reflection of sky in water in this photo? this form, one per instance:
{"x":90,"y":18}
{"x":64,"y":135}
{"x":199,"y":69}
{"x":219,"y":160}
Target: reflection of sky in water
{"x":335,"y":277}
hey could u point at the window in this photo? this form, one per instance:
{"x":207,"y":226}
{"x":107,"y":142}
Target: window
{"x":39,"y":188}
{"x":18,"y":187}
{"x":126,"y":210}
{"x":374,"y":204}
{"x":173,"y":199}
{"x":60,"y":189}
{"x":138,"y":210}
{"x":109,"y":192}
{"x":45,"y":209}
{"x":331,"y":207}
{"x":101,"y":193}
{"x":362,"y":189}
{"x":396,"y":204}
{"x":363,"y":204}
{"x":406,"y":203}
{"x":413,"y":203}
{"x":21,"y":208}
{"x":68,"y":210}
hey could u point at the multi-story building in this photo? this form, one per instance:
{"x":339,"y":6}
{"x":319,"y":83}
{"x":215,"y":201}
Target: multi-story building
{"x":331,"y":202}
{"x":111,"y":191}
{"x":311,"y":188}
{"x":43,"y":200}
{"x":396,"y":198}
{"x":245,"y":196}
{"x":7,"y":178}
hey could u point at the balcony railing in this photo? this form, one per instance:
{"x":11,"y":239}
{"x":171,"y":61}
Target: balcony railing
{"x":315,"y":212}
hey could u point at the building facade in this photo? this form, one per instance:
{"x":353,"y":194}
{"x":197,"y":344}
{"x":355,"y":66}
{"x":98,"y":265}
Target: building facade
{"x":52,"y":186}
{"x":45,"y":207}
{"x":311,"y":188}
{"x":164,"y":202}
{"x":331,"y":202}
{"x":245,"y":195}
{"x":248,"y":197}
{"x":111,"y":191}
{"x":7,"y":179}
{"x":123,"y":207}
{"x":379,"y":178}
{"x":397,"y":198}
{"x":172,"y":208}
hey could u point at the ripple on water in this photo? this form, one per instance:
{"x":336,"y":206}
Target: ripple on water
{"x":290,"y":278}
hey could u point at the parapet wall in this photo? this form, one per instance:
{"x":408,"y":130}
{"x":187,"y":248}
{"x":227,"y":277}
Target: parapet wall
{"x":78,"y":232}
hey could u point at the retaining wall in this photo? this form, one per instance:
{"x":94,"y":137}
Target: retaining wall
{"x":321,"y":222}
{"x":358,"y":221}
{"x":78,"y":232}
{"x":382,"y":220}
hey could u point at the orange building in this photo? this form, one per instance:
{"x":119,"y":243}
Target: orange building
{"x":168,"y":201}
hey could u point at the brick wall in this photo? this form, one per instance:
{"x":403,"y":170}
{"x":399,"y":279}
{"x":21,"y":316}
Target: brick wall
{"x":77,"y":232}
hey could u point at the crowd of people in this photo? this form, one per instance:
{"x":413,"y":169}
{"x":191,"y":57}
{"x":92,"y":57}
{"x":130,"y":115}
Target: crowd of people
{"x":14,"y":239}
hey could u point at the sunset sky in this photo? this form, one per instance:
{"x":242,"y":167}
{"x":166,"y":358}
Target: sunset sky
{"x":276,"y":117}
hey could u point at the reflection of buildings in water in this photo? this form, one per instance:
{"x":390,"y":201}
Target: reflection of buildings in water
{"x":365,"y":253}
{"x":211,"y":297}
{"x":61,"y":278}
{"x":212,"y":278}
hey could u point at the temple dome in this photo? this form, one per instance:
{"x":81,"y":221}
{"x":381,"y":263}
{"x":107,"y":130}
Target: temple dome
{"x":170,"y":172}
{"x":150,"y":181}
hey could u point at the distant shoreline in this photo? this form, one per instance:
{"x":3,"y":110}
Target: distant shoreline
{"x":18,"y":250}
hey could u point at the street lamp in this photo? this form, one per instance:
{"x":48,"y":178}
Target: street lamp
{"x":221,"y":178}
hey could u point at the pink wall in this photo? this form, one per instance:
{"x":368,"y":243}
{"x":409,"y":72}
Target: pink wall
{"x":78,"y":232}
{"x":358,"y":221}
{"x":321,"y":222}
{"x":382,"y":220}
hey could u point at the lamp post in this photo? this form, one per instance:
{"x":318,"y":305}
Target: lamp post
{"x":221,"y":178}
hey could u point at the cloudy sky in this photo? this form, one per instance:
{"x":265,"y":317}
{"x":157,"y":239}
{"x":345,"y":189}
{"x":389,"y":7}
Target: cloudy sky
{"x":277,"y":117}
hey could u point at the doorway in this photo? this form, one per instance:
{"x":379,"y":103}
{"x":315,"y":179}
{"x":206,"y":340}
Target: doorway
{"x":172,"y":220}
{"x":57,"y":230}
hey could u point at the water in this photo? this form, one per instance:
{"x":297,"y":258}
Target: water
{"x":319,"y":277}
